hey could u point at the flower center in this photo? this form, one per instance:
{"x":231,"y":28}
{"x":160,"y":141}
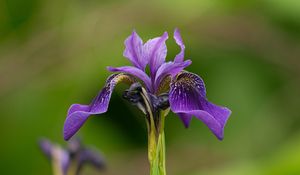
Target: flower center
{"x":156,"y":103}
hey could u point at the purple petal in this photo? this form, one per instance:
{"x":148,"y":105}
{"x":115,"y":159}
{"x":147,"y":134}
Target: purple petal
{"x":78,"y":114}
{"x":61,"y":157}
{"x":92,"y":157}
{"x":134,"y":51}
{"x":187,"y":96}
{"x":74,"y":146}
{"x":65,"y":162}
{"x":179,"y":57}
{"x":212,"y":121}
{"x":155,"y":51}
{"x":135,"y":72}
{"x":46,"y":147}
{"x":56,"y":154}
{"x":169,"y":68}
{"x":185,"y":118}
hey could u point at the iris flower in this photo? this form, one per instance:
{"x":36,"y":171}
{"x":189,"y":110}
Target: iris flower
{"x":71,"y":160}
{"x":166,"y":87}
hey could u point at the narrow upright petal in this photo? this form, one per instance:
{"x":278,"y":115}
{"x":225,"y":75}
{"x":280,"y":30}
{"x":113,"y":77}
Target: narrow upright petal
{"x":169,"y":68}
{"x":134,"y":51}
{"x":78,"y":114}
{"x":61,"y":159}
{"x":188,"y":98}
{"x":134,"y":72}
{"x":179,"y":57}
{"x":58,"y":156}
{"x":155,"y":51}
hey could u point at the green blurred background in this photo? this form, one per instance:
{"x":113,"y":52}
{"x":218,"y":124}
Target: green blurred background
{"x":54,"y":53}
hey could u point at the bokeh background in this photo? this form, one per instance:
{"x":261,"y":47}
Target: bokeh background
{"x":54,"y":53}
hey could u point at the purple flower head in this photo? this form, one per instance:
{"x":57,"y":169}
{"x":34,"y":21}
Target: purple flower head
{"x":75,"y":156}
{"x":167,"y":85}
{"x":57,"y":155}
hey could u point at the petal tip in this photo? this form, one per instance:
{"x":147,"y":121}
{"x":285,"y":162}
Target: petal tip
{"x":227,"y":113}
{"x":73,"y":123}
{"x":133,"y":33}
{"x":166,"y":35}
{"x":66,"y":137}
{"x":176,"y":31}
{"x":220,"y":138}
{"x":186,"y":126}
{"x":109,"y":68}
{"x":46,"y":146}
{"x":67,"y":134}
{"x":112,"y":69}
{"x":188,"y":62}
{"x":186,"y":119}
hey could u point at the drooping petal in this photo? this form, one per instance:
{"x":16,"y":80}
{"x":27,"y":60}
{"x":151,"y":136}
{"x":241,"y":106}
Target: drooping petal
{"x":179,"y":57}
{"x":135,"y":72}
{"x":215,"y":122}
{"x":185,"y":118}
{"x":155,"y":51}
{"x":134,"y":51}
{"x":187,"y":96}
{"x":169,"y":68}
{"x":78,"y":114}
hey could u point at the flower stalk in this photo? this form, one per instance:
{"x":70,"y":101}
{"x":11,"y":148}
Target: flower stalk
{"x":56,"y":168}
{"x":157,"y":152}
{"x":73,"y":168}
{"x":156,"y":137}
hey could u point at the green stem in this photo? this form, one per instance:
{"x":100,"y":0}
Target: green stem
{"x":156,"y":150}
{"x":56,"y":169}
{"x":156,"y":137}
{"x":73,"y":168}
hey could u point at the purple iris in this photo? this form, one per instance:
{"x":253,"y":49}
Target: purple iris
{"x":74,"y":157}
{"x":167,"y":85}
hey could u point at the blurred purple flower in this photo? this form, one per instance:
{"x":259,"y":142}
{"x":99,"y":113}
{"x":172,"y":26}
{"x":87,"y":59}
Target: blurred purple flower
{"x":167,"y":84}
{"x":74,"y":157}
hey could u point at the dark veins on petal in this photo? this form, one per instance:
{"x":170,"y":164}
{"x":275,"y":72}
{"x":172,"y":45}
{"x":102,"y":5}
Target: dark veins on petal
{"x":188,"y":98}
{"x":78,"y":114}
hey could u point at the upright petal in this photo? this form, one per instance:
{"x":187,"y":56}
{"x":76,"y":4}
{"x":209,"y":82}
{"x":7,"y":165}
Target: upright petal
{"x":179,"y":57}
{"x":169,"y":68}
{"x":134,"y":51}
{"x":155,"y":51}
{"x":46,"y":147}
{"x":188,"y":98}
{"x":78,"y":114}
{"x":135,"y":72}
{"x":61,"y":159}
